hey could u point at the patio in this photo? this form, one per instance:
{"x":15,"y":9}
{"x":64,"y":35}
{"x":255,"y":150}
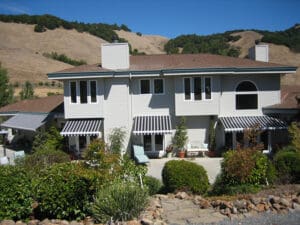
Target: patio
{"x":211,"y":165}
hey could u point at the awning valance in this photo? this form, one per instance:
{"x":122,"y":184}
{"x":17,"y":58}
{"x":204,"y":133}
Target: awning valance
{"x":86,"y":127}
{"x":26,"y":121}
{"x":240,"y":123}
{"x":159,"y":124}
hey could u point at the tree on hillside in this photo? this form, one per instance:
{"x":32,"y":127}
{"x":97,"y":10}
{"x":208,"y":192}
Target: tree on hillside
{"x":6,"y":90}
{"x":27,"y":91}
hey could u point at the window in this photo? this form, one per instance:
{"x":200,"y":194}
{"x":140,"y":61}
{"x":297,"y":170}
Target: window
{"x":83,"y":91}
{"x":147,"y":143}
{"x":246,"y":96}
{"x":73,"y":91}
{"x":197,"y":88}
{"x":93,"y":91}
{"x":158,"y":86}
{"x":187,"y":88}
{"x":145,"y":86}
{"x":207,"y":87}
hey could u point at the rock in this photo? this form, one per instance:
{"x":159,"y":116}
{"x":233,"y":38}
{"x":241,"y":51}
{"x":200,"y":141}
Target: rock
{"x":276,"y":206}
{"x":33,"y":222}
{"x":234,"y":210}
{"x":64,"y":222}
{"x":133,"y":222}
{"x":8,"y":222}
{"x":251,"y":206}
{"x":160,"y":197}
{"x":296,"y":206}
{"x":204,"y":204}
{"x":88,"y":221}
{"x":145,"y":221}
{"x":182,"y":195}
{"x":240,"y":204}
{"x":284,"y":202}
{"x":74,"y":222}
{"x":255,"y":200}
{"x":45,"y":222}
{"x":20,"y":223}
{"x":260,"y":207}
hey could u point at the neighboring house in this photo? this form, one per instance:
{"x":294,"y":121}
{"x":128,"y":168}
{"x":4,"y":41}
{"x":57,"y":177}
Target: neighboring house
{"x":148,"y":94}
{"x":24,"y":118}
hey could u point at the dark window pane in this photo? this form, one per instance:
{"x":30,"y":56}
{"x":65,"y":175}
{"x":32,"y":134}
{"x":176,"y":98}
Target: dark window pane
{"x":187,"y":89}
{"x":158,"y":86}
{"x":147,"y":142}
{"x":73,"y":92}
{"x":83,"y":91}
{"x":246,"y":86}
{"x":159,"y":141}
{"x":197,"y":88}
{"x":207,"y":88}
{"x":246,"y":101}
{"x":93,"y":88}
{"x":145,"y":86}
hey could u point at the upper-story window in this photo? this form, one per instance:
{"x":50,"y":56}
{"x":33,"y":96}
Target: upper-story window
{"x":246,"y":95}
{"x":158,"y":86}
{"x":83,"y":89}
{"x":73,"y":91}
{"x":93,"y":91}
{"x":197,"y":88}
{"x":145,"y":86}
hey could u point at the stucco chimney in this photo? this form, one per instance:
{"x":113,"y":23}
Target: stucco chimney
{"x":259,"y":53}
{"x":115,"y":56}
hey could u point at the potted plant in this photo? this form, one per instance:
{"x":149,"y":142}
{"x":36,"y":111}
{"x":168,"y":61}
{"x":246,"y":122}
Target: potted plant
{"x":169,"y":151}
{"x":180,"y":137}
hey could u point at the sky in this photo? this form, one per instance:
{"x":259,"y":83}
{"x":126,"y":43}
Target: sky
{"x":168,"y":18}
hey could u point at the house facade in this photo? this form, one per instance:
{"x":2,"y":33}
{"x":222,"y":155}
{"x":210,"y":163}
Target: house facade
{"x":147,"y":95}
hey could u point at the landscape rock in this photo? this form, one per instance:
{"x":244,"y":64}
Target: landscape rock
{"x":240,"y":204}
{"x":8,"y":222}
{"x":296,"y":206}
{"x":181,"y":195}
{"x":284,"y":202}
{"x":33,"y":222}
{"x":20,"y":223}
{"x":255,"y":200}
{"x":133,"y":222}
{"x":146,"y":221}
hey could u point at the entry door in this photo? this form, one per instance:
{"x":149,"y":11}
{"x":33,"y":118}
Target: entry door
{"x":154,"y":142}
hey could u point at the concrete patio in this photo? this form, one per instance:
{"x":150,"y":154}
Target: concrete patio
{"x":211,"y":165}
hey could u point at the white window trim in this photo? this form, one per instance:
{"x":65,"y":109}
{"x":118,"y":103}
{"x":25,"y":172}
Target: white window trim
{"x":246,"y":93}
{"x":76,"y":90}
{"x":153,"y":81}
{"x":150,"y":87}
{"x":90,"y":92}
{"x":192,"y":92}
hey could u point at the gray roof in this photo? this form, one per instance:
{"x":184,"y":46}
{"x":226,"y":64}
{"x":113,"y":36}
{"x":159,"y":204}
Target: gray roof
{"x":26,"y":121}
{"x":84,"y":127}
{"x":240,"y":123}
{"x":158,"y":124}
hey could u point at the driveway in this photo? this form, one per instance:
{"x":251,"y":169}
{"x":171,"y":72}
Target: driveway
{"x":211,"y":165}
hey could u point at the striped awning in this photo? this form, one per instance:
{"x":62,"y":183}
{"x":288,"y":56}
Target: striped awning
{"x":160,"y":124}
{"x":86,"y":127}
{"x":240,"y":123}
{"x":27,"y":121}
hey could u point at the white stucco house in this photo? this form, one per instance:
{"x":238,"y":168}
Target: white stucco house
{"x":148,"y":94}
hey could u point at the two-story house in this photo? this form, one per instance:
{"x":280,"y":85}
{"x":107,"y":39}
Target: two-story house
{"x":147,"y":95}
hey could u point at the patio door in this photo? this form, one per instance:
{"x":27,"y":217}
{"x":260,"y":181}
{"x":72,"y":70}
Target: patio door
{"x":154,"y":142}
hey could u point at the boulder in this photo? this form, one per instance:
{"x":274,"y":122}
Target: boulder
{"x":181,"y":195}
{"x":284,"y":202}
{"x":8,"y":222}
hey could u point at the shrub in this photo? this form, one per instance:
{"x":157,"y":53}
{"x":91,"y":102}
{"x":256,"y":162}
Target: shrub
{"x":120,"y":201}
{"x":116,"y":139}
{"x":39,"y":28}
{"x":244,"y":166}
{"x":287,"y":164}
{"x":15,"y":193}
{"x":180,"y":174}
{"x":61,"y":193}
{"x":154,"y":185}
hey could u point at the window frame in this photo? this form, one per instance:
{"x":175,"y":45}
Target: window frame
{"x":191,"y":91}
{"x":90,"y":92}
{"x":163,"y":86}
{"x":239,"y":93}
{"x":76,"y":91}
{"x":192,"y":88}
{"x":204,"y":85}
{"x":87,"y":86}
{"x":140,"y":88}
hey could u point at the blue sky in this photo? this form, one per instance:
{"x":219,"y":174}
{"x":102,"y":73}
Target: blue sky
{"x":169,"y":18}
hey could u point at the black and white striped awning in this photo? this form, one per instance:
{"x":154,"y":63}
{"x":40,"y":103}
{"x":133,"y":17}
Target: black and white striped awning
{"x":160,"y":124}
{"x":240,"y":123}
{"x":86,"y":127}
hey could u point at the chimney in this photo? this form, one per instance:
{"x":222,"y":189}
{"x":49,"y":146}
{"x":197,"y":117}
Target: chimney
{"x":115,"y":56}
{"x":259,"y":53}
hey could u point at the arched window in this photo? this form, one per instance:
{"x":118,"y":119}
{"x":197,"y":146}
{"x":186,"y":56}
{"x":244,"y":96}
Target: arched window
{"x":246,"y":95}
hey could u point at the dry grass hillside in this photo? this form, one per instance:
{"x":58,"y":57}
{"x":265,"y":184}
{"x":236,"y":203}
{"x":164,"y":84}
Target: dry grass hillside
{"x":277,"y":54}
{"x":150,"y":44}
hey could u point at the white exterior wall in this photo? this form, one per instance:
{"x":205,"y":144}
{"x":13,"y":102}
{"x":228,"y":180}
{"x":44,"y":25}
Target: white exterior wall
{"x":87,"y":110}
{"x":198,"y":129}
{"x":259,"y":53}
{"x":268,"y":93}
{"x":197,"y":108}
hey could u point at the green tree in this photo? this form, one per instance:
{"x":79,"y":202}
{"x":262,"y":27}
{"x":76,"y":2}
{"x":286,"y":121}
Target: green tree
{"x":6,"y":90}
{"x":294,"y":132}
{"x":180,"y":137}
{"x":27,"y":91}
{"x":116,"y":139}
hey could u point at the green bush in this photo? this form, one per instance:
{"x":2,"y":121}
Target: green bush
{"x":287,"y":164}
{"x":61,"y":193}
{"x":15,"y":193}
{"x":154,"y":185}
{"x":120,"y":201}
{"x":184,"y":175}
